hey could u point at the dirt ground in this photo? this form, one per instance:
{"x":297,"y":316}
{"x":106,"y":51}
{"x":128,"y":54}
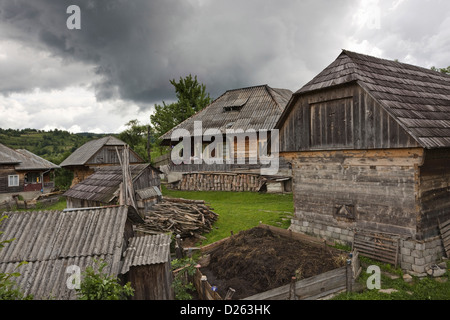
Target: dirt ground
{"x":258,"y":260}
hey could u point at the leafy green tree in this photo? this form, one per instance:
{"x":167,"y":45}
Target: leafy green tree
{"x":97,"y":285}
{"x":442,"y":70}
{"x":192,"y":97}
{"x":136,"y":136}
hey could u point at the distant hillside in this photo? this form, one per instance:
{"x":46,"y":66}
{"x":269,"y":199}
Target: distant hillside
{"x":54,"y":145}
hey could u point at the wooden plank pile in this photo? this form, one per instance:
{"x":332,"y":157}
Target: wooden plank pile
{"x":188,"y":218}
{"x":205,"y":181}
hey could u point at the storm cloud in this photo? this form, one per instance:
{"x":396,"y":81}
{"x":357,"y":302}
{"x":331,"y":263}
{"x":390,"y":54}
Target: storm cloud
{"x":127,"y":51}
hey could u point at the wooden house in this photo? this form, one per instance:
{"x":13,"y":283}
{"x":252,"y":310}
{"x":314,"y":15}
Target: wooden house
{"x":24,"y":173}
{"x":369,"y":144}
{"x":103,"y":187}
{"x":248,"y":116}
{"x":96,"y":153}
{"x":57,"y":243}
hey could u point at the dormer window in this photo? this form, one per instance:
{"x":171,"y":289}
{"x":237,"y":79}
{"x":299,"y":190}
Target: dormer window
{"x":232,"y":108}
{"x":235,"y":105}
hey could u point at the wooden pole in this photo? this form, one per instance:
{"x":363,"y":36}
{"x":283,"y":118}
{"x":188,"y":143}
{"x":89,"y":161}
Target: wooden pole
{"x":349,"y":276}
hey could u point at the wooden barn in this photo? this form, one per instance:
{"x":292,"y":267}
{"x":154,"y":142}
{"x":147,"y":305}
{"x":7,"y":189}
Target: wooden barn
{"x":103,"y":187}
{"x":248,"y":115}
{"x":96,"y":153}
{"x":24,"y":173}
{"x":52,"y":241}
{"x":369,"y":144}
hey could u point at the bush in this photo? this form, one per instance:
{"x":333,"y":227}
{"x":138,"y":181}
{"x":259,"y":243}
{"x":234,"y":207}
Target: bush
{"x":97,"y":285}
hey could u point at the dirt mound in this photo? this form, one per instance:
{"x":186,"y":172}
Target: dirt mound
{"x":258,"y":260}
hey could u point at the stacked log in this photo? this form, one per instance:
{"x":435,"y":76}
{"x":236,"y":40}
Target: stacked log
{"x":188,"y":218}
{"x":214,"y":181}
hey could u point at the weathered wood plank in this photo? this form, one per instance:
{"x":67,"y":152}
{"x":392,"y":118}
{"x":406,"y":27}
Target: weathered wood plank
{"x":316,"y":287}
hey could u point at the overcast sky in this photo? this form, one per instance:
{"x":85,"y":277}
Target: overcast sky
{"x":119,"y":64}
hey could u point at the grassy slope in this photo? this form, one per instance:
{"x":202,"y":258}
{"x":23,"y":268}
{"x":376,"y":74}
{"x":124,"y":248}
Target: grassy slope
{"x":241,"y":210}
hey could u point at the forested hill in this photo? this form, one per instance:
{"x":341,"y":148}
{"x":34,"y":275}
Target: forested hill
{"x":54,"y":145}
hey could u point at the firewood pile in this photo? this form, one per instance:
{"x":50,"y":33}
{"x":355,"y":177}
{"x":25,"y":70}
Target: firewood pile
{"x":188,"y":218}
{"x":221,"y":181}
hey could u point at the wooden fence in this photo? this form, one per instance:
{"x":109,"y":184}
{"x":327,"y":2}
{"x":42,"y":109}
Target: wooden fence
{"x":379,"y":246}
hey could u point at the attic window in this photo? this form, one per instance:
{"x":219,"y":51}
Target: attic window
{"x":232,"y":108}
{"x":235,"y":105}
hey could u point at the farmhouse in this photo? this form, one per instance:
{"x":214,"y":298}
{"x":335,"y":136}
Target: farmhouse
{"x":96,"y":153}
{"x":55,"y":243}
{"x":24,"y":173}
{"x":232,"y":134}
{"x":103,"y":187}
{"x":369,"y":144}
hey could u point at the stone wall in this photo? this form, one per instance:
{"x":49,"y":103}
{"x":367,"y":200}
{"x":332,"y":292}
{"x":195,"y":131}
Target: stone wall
{"x":414,"y":255}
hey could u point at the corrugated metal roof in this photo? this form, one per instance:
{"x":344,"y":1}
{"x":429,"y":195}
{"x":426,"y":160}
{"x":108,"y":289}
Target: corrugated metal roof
{"x":24,"y":159}
{"x":259,"y":109}
{"x":149,"y":192}
{"x":417,"y":98}
{"x":103,"y":184}
{"x":50,"y":241}
{"x":147,"y":250}
{"x":8,"y":155}
{"x":30,"y":161}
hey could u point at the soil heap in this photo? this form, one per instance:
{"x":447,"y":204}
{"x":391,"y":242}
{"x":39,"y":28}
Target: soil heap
{"x":258,"y":260}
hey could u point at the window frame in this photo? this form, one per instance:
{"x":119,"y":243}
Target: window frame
{"x":15,"y":180}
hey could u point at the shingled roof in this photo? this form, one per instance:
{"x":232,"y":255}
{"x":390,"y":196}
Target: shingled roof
{"x":257,"y":108}
{"x":417,"y":98}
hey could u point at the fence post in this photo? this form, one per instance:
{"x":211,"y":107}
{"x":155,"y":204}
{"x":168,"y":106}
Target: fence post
{"x":349,"y":275}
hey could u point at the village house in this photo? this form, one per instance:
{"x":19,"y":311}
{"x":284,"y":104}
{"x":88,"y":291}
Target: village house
{"x":103,"y":187}
{"x":244,"y":118}
{"x":96,"y":153}
{"x":55,"y":244}
{"x":369,"y":144}
{"x":24,"y":173}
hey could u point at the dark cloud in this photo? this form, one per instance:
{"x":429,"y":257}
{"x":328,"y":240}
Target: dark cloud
{"x":130,"y":50}
{"x":136,"y":47}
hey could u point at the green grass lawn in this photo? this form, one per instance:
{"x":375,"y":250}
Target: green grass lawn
{"x":241,"y":210}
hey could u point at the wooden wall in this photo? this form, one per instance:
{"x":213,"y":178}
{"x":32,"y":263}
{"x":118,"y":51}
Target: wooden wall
{"x":108,"y":155}
{"x":5,"y":171}
{"x":151,"y":282}
{"x":345,"y":117}
{"x":369,"y":189}
{"x":434,"y":191}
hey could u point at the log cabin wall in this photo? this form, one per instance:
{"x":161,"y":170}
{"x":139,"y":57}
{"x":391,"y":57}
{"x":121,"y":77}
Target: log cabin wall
{"x":353,"y":166}
{"x":338,"y":191}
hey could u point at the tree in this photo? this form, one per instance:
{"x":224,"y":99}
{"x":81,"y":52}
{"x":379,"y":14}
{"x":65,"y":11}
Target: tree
{"x":136,"y":136}
{"x":442,"y":70}
{"x":192,"y":97}
{"x":97,"y":285}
